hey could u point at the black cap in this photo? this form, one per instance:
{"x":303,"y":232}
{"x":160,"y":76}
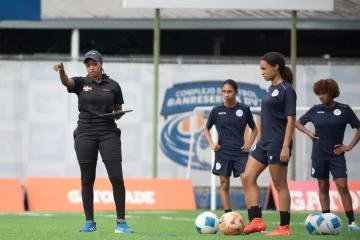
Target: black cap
{"x":94,"y":55}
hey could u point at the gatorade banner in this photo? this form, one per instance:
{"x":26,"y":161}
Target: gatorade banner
{"x":64,"y":194}
{"x":11,"y":195}
{"x":305,"y":196}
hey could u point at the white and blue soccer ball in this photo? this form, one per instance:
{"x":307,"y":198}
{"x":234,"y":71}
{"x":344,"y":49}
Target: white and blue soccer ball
{"x":329,"y":224}
{"x":323,"y":224}
{"x":207,"y":223}
{"x":311,"y":223}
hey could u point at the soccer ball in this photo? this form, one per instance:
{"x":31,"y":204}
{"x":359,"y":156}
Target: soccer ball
{"x":231,"y":223}
{"x":311,"y":223}
{"x":329,"y":224}
{"x":207,"y":223}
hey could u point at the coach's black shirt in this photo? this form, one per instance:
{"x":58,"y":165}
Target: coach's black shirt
{"x":230,"y":125}
{"x":277,"y":104}
{"x":94,"y":99}
{"x":330,"y":125}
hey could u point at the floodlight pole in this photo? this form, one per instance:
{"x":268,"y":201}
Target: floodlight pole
{"x":75,"y":44}
{"x":293,"y":57}
{"x":156,"y":56}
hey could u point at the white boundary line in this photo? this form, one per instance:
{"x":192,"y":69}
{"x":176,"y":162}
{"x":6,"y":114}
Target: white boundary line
{"x":193,"y":219}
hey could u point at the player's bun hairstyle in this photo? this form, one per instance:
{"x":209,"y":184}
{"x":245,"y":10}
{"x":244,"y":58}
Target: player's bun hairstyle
{"x":327,"y":86}
{"x":273,"y":58}
{"x":232,"y":83}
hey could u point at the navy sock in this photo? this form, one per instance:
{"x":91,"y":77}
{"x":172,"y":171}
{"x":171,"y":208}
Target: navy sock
{"x":256,"y":212}
{"x":228,"y":210}
{"x":284,"y":218}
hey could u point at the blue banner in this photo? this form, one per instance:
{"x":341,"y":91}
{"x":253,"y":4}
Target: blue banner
{"x":20,"y":10}
{"x":185,"y":97}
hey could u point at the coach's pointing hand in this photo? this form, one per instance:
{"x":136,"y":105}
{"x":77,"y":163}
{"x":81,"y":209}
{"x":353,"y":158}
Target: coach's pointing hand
{"x":59,"y":67}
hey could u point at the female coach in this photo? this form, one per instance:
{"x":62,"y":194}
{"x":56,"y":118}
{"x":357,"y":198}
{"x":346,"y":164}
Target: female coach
{"x":231,"y":152}
{"x":278,"y":111}
{"x":97,"y":94}
{"x":330,"y":119}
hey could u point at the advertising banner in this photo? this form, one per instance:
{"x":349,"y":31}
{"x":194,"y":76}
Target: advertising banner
{"x":11,"y":195}
{"x":64,"y":194}
{"x":305,"y":196}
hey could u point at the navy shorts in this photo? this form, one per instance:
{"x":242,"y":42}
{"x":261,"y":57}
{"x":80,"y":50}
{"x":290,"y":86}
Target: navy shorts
{"x":225,"y":167}
{"x":267,"y":157}
{"x":320,"y":169}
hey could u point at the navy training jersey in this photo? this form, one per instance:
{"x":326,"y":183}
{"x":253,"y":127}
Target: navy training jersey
{"x":277,"y":104}
{"x":230,"y":125}
{"x":330,"y":125}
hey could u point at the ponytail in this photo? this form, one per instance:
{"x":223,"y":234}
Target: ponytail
{"x":103,"y":74}
{"x":275,"y":58}
{"x":287,"y":75}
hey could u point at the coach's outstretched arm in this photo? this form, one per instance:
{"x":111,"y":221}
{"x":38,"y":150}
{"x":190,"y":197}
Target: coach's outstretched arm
{"x":67,"y":82}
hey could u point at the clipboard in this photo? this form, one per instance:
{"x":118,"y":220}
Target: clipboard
{"x":122,"y":112}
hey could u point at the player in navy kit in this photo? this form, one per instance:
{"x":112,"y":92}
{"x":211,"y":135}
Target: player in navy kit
{"x":330,"y":119}
{"x":278,"y":115}
{"x":231,"y":151}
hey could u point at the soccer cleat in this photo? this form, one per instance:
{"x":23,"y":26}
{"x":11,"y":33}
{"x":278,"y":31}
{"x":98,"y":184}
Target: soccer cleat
{"x":281,"y":231}
{"x":256,"y":225}
{"x":353,"y":227}
{"x":122,"y":227}
{"x":90,"y":226}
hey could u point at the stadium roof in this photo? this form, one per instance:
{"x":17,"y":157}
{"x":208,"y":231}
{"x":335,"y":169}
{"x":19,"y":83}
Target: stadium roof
{"x":109,"y":14}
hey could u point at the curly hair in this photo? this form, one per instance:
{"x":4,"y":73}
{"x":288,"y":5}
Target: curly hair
{"x":327,"y":86}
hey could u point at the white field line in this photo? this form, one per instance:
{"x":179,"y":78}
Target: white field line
{"x":193,"y":219}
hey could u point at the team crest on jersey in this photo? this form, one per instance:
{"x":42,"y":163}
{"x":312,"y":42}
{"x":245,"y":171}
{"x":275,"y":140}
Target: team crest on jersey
{"x":239,"y":113}
{"x":275,"y":93}
{"x":337,"y":112}
{"x":87,"y":88}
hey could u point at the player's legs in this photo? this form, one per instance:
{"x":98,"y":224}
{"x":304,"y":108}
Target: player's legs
{"x":110,"y":150}
{"x":320,"y":171}
{"x":254,"y":167}
{"x":222,"y":168}
{"x":251,"y":189}
{"x":238,"y":171}
{"x":86,"y":151}
{"x":339,"y":172}
{"x":224,"y":193}
{"x":324,"y":187}
{"x":278,"y":171}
